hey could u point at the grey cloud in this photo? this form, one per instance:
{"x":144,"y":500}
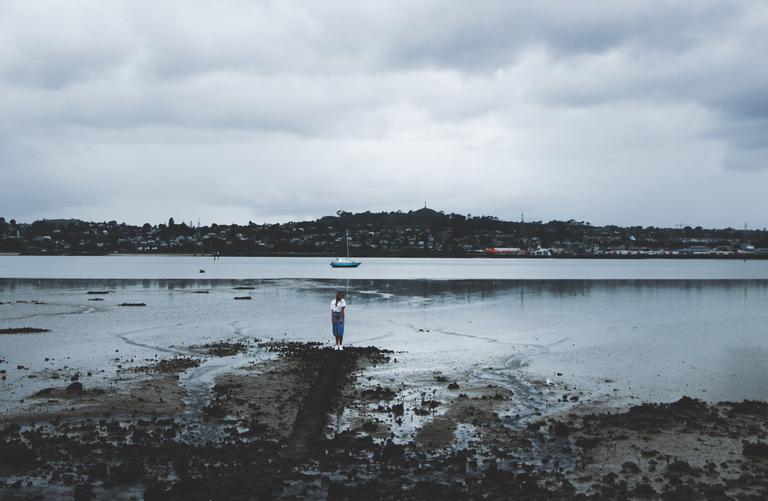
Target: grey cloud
{"x":489,"y":35}
{"x":282,"y":109}
{"x":55,"y":44}
{"x":746,"y":159}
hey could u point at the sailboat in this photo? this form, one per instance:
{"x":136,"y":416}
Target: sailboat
{"x":345,"y":262}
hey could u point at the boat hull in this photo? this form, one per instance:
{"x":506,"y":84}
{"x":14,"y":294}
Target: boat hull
{"x":352,"y":264}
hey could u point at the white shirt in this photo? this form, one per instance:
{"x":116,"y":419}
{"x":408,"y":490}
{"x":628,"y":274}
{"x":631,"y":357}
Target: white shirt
{"x":336,"y":308}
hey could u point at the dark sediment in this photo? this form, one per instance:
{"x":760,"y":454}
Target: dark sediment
{"x":169,"y":366}
{"x":272,"y":440}
{"x":331,"y":371}
{"x":220,"y":349}
{"x":23,"y":330}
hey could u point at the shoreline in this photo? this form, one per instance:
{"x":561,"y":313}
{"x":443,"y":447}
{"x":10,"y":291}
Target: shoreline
{"x":293,"y":419}
{"x":756,"y":257}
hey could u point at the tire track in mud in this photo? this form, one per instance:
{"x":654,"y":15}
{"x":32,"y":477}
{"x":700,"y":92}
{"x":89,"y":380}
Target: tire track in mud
{"x":332,"y":372}
{"x":238,"y":331}
{"x":371,"y":339}
{"x":81,"y":310}
{"x":450,"y":333}
{"x":124,"y":337}
{"x":470,"y":336}
{"x":511,"y":376}
{"x":198,"y":382}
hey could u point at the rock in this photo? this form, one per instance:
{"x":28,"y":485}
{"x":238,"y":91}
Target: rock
{"x":453,"y":386}
{"x":75,"y":388}
{"x":757,"y":449}
{"x":644,"y":491}
{"x":680,"y":467}
{"x":630,"y":467}
{"x":393,"y":451}
{"x":83,"y":492}
{"x":688,"y":403}
{"x":681,"y":493}
{"x":397,"y":409}
{"x":587,"y":442}
{"x":750,"y":407}
{"x":561,"y":429}
{"x":377,"y":393}
{"x":15,"y":455}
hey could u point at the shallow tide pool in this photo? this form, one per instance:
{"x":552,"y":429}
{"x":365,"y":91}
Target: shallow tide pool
{"x":614,"y":340}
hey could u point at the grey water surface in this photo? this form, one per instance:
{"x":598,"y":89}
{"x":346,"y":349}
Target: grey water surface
{"x":159,"y":266}
{"x":622,"y":340}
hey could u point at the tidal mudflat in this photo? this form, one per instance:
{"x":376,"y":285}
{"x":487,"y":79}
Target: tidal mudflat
{"x":475,"y":388}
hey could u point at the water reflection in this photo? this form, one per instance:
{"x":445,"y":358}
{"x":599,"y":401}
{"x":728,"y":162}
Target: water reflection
{"x":188,"y":267}
{"x":703,"y":335}
{"x":454,"y":289}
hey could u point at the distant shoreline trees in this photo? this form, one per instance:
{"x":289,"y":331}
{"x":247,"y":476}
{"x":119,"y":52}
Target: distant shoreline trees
{"x":424,"y":232}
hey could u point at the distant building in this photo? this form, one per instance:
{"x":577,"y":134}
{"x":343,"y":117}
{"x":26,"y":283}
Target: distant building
{"x":514,"y":251}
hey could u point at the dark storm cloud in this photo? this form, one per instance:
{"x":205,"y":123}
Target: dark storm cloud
{"x":636,"y":112}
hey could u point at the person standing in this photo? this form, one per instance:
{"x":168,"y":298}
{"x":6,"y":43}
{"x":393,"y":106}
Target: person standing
{"x":338,"y":311}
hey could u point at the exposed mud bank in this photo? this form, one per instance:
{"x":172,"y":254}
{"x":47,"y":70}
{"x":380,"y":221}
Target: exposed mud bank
{"x":307,"y":421}
{"x":23,"y":330}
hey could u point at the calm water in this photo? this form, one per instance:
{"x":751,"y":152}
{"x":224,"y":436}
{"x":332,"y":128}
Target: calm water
{"x":614,"y":339}
{"x":374,"y":268}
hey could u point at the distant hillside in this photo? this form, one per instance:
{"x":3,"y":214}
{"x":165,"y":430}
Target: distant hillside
{"x":422,"y":232}
{"x":422,"y":217}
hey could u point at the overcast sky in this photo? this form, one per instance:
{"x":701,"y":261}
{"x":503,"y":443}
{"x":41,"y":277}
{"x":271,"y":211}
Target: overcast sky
{"x":632,"y":112}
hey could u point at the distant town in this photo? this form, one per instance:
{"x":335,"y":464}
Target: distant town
{"x":420,"y":233}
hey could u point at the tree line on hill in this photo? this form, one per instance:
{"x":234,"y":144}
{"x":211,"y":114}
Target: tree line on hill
{"x":423,"y":232}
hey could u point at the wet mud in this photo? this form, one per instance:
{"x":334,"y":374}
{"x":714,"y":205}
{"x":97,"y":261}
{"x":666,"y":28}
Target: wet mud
{"x":304,"y":421}
{"x":23,"y":330}
{"x":220,"y":348}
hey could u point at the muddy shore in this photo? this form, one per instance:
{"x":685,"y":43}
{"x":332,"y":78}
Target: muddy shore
{"x":303,"y":421}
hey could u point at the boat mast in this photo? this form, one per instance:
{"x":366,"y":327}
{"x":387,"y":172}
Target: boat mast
{"x":347,"y":243}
